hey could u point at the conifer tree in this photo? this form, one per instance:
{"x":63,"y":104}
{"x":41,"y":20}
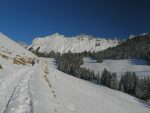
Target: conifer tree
{"x":114,"y":81}
{"x":141,"y":89}
{"x":104,"y":76}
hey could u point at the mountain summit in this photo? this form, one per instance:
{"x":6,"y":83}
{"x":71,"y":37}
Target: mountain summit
{"x":75,"y":44}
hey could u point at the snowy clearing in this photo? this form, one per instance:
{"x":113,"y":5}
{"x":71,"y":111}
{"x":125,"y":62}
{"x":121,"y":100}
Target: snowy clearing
{"x":119,"y":66}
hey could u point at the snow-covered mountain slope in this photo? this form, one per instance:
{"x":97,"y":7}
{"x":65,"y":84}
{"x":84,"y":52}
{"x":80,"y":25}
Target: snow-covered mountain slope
{"x":12,"y":55}
{"x":119,"y":66}
{"x":22,"y":44}
{"x":62,"y":44}
{"x":44,"y":89}
{"x":8,"y":45}
{"x":15,"y":62}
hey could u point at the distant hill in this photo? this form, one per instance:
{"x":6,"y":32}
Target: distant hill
{"x":137,"y":47}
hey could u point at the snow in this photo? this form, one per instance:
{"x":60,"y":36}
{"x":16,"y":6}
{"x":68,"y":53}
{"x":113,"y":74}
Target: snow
{"x":44,"y":89}
{"x":68,"y":94}
{"x":8,"y":45}
{"x":13,"y":83}
{"x":76,"y":44}
{"x":139,"y":66}
{"x":24,"y":45}
{"x":30,"y":92}
{"x":20,"y":101}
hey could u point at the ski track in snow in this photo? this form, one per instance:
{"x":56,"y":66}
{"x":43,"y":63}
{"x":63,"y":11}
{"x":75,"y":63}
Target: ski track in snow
{"x":19,"y":101}
{"x":7,"y":88}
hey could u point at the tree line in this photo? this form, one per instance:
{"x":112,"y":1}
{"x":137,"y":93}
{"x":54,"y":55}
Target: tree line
{"x":129,"y":83}
{"x":135,"y":48}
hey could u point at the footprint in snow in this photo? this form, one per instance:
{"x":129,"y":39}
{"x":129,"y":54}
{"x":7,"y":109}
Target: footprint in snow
{"x":71,"y":107}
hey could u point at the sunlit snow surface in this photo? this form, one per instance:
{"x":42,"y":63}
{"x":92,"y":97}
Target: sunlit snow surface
{"x":44,"y":89}
{"x":119,"y":66}
{"x":62,"y":44}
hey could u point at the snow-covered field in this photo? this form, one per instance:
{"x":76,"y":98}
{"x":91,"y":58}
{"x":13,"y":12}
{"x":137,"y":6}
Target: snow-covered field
{"x":44,"y":89}
{"x":119,"y":66}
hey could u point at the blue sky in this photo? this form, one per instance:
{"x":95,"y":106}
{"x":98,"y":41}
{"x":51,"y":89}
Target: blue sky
{"x":23,"y":20}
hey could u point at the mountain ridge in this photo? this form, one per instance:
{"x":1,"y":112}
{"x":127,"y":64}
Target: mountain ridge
{"x":76,"y":44}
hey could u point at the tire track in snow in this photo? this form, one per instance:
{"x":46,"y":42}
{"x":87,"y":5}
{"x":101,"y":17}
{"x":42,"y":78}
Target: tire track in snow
{"x":30,"y":95}
{"x":11,"y":96}
{"x":7,"y":88}
{"x":20,"y":100}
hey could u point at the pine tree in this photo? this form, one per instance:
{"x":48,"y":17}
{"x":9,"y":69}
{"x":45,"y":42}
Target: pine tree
{"x":114,"y":81}
{"x":103,"y":76}
{"x":121,"y":84}
{"x":97,"y":78}
{"x":141,"y":89}
{"x":122,"y":88}
{"x":126,"y":82}
{"x":108,"y":79}
{"x":129,"y":81}
{"x":148,"y":86}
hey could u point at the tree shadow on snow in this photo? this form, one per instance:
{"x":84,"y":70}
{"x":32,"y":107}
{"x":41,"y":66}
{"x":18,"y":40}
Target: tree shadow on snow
{"x":138,"y":62}
{"x":144,"y":103}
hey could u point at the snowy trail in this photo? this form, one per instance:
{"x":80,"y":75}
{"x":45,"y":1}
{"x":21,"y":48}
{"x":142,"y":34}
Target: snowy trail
{"x":20,"y":101}
{"x":8,"y":87}
{"x":44,"y":89}
{"x":56,"y":92}
{"x":44,"y":99}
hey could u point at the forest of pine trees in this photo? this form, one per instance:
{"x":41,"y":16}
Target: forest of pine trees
{"x":129,"y":83}
{"x":136,"y":48}
{"x":109,"y":79}
{"x":142,"y":90}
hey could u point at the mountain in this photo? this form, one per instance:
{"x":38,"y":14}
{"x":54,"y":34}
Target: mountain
{"x":23,"y":44}
{"x":12,"y":55}
{"x":76,"y":44}
{"x":9,"y":46}
{"x":42,"y":88}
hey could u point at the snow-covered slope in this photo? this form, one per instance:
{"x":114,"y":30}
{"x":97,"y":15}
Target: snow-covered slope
{"x":22,"y":44}
{"x":15,"y":63}
{"x":8,"y":45}
{"x":12,"y":55}
{"x":54,"y":91}
{"x":44,"y":89}
{"x":62,"y":44}
{"x":119,"y":66}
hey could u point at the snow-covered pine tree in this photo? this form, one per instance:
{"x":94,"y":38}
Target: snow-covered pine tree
{"x":141,"y":89}
{"x":114,"y":81}
{"x":108,"y":79}
{"x":103,"y":76}
{"x":148,"y":83}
